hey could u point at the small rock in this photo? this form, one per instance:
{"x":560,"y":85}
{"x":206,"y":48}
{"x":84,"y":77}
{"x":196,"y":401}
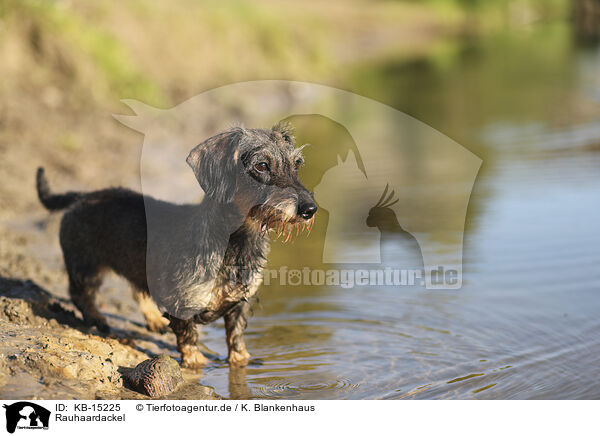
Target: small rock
{"x":155,"y":377}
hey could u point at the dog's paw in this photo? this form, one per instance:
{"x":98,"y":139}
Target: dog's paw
{"x":103,"y":327}
{"x":98,"y":322}
{"x":157,"y":324}
{"x":238,"y":358}
{"x":192,"y":358}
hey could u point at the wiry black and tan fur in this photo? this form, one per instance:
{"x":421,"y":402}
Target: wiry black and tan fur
{"x":200,"y":262}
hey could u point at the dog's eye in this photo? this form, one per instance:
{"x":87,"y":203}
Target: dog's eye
{"x":261,"y":167}
{"x":298,"y":163}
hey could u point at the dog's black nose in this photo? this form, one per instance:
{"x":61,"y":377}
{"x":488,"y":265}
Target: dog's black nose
{"x":307,"y":210}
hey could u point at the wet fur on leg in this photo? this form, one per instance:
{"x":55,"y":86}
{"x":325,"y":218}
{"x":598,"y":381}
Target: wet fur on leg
{"x":155,"y":321}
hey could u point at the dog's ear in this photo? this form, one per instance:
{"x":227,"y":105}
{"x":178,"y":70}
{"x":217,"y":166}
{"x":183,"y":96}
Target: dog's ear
{"x":287,"y":131}
{"x":215,"y":163}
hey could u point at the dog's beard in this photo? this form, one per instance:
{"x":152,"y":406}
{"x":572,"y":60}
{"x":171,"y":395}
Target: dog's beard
{"x":280,"y":221}
{"x":285,"y":229}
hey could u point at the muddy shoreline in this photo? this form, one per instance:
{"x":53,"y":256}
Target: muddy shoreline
{"x":46,"y":350}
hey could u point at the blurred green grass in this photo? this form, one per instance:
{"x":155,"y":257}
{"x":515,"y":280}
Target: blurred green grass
{"x":162,"y":53}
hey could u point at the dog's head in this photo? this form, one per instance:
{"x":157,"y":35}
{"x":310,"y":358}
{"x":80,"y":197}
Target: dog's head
{"x":256,"y":169}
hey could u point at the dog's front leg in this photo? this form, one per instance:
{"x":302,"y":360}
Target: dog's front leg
{"x":187,"y":342}
{"x":235,"y":323}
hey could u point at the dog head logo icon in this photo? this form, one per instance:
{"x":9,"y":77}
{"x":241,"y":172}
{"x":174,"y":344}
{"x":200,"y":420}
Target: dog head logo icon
{"x":26,"y":415}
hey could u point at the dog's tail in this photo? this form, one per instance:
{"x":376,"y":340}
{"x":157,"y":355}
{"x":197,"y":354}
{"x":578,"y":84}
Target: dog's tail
{"x":53,"y":201}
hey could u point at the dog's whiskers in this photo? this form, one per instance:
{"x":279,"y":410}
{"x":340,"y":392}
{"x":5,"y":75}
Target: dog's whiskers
{"x":285,"y":229}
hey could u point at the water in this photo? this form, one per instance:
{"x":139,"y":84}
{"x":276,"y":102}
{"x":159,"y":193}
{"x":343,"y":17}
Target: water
{"x":525,"y":323}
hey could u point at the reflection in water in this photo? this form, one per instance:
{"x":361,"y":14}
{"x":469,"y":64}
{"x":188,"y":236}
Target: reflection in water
{"x":238,"y":388}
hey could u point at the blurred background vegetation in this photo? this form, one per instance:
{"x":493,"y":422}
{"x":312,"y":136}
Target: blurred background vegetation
{"x":66,"y":64}
{"x":161,"y":53}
